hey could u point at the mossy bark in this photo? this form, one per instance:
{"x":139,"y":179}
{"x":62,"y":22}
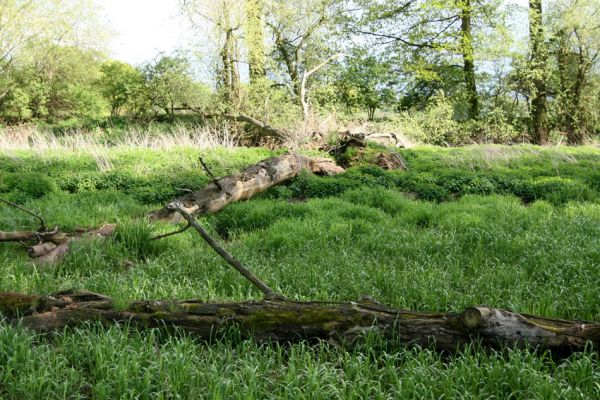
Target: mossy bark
{"x":284,"y":321}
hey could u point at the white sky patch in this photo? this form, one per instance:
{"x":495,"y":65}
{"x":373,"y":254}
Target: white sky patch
{"x":144,"y":28}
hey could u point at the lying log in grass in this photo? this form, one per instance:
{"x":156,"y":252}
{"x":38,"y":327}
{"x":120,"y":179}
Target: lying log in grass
{"x":250,"y":182}
{"x":286,"y":321}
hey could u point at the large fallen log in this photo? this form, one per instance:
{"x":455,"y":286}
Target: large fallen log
{"x":285,"y":321}
{"x":242,"y":186}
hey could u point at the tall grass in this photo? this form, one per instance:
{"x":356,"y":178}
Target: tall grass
{"x":30,"y":137}
{"x":315,"y":238}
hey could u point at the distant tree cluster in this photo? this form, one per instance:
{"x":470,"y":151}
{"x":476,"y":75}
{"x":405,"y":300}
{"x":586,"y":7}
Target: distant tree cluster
{"x":449,"y":71}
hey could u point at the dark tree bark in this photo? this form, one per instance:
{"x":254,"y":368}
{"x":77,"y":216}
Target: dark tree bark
{"x":538,"y":59}
{"x":285,"y":321}
{"x":466,"y":46}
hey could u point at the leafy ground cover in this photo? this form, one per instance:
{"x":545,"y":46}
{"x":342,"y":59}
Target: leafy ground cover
{"x":513,"y":227}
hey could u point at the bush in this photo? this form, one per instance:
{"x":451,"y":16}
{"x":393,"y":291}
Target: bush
{"x":30,"y":184}
{"x":434,"y":125}
{"x":557,"y":190}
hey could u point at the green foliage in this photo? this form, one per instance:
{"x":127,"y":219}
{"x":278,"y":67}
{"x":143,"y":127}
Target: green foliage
{"x":349,"y":235}
{"x":120,"y":83}
{"x":434,"y":125}
{"x":366,"y":82}
{"x":168,"y":85}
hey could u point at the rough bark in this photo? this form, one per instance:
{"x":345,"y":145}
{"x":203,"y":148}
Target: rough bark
{"x":242,"y":186}
{"x":539,"y":108}
{"x":285,"y":321}
{"x":466,"y":44}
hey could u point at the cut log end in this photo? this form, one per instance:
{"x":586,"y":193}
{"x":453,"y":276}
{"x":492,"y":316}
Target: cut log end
{"x":472,"y":317}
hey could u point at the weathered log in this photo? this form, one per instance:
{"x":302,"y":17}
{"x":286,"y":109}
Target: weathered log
{"x":285,"y":321}
{"x":250,"y":182}
{"x":49,"y":247}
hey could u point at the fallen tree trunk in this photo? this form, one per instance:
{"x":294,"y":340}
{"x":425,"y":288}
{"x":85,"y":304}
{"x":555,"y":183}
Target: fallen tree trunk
{"x":242,"y":186}
{"x":284,"y":321}
{"x":269,"y":130}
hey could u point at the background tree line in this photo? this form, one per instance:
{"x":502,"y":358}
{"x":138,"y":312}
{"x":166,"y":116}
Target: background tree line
{"x":441,"y":71}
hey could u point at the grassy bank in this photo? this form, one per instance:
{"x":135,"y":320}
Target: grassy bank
{"x":514,"y":227}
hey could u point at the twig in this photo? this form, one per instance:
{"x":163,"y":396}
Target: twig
{"x":209,"y":173}
{"x":178,"y":231}
{"x":42,"y":223}
{"x":184,"y":190}
{"x":267,"y":291}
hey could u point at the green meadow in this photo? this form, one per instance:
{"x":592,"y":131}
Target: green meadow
{"x":513,"y":227}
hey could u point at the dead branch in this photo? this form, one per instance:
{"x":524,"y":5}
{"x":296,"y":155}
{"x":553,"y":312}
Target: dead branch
{"x":209,"y":173}
{"x":267,"y":129}
{"x":231,"y":260}
{"x":49,"y":247}
{"x":284,"y":321}
{"x":36,"y":216}
{"x":242,"y":186}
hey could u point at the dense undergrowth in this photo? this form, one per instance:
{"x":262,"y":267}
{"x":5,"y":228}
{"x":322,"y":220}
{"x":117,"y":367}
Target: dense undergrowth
{"x":512,"y":227}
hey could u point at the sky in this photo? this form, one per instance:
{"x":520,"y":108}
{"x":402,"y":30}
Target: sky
{"x":144,"y":28}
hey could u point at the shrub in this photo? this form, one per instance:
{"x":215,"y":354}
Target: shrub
{"x":30,"y":184}
{"x":557,"y":190}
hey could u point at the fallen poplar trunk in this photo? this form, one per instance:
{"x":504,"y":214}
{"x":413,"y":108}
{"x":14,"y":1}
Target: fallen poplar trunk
{"x":284,"y":321}
{"x":250,"y":182}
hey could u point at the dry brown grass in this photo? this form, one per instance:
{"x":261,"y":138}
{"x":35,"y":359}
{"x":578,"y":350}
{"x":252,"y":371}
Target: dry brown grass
{"x":29,"y":137}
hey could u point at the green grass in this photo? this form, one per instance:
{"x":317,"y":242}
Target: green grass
{"x":512,"y":227}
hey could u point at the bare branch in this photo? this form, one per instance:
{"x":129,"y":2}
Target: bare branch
{"x":246,"y":273}
{"x":209,"y":173}
{"x":178,"y":231}
{"x":42,"y":223}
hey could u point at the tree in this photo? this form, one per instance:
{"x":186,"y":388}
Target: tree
{"x":429,"y":36}
{"x":225,"y":22}
{"x":366,"y":82}
{"x":537,"y":66}
{"x":118,"y":84}
{"x":60,"y":85}
{"x":255,"y":39}
{"x":576,"y":37}
{"x":301,"y":30}
{"x":169,"y":84}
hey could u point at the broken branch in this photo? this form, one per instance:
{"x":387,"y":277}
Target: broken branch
{"x":36,"y":216}
{"x":241,"y":186}
{"x":231,"y":260}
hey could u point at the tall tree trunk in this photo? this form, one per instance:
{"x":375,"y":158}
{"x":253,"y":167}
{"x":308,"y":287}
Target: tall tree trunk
{"x":255,"y":40}
{"x":229,"y":74}
{"x":466,"y":46}
{"x":539,"y":111}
